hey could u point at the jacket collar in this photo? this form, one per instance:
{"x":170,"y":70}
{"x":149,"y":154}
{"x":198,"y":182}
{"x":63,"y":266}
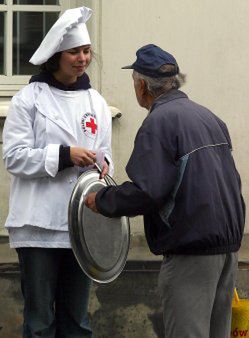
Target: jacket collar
{"x":173,"y":94}
{"x":48,"y":106}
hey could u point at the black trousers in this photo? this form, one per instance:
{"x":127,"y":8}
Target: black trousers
{"x":56,"y":293}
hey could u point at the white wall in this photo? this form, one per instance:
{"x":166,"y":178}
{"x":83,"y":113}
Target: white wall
{"x":209,"y":39}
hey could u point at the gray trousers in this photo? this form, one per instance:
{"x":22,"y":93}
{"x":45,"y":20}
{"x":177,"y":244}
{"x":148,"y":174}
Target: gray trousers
{"x":197,"y":293}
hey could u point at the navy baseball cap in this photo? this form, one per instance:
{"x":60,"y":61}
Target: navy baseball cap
{"x":149,"y":60}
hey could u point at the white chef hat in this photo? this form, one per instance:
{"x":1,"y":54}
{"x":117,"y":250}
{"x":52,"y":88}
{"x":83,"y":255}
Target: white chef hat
{"x":69,"y":31}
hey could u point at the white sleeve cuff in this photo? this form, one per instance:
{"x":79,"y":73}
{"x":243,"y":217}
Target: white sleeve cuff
{"x":52,"y":159}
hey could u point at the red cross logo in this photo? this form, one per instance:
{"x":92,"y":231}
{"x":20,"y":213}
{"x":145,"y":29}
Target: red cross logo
{"x":92,"y":125}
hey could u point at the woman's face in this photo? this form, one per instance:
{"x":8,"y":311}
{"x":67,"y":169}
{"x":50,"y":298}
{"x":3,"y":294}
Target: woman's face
{"x":73,"y":63}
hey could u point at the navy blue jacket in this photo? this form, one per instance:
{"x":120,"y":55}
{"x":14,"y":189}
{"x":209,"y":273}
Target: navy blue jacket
{"x":184,"y":181}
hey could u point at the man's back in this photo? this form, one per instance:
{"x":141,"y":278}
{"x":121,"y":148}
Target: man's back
{"x":187,"y":150}
{"x":184,"y":182}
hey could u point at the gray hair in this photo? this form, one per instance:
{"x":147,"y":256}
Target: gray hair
{"x":158,"y":86}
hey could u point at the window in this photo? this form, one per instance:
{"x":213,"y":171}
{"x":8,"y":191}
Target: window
{"x":1,"y":41}
{"x":23,"y":24}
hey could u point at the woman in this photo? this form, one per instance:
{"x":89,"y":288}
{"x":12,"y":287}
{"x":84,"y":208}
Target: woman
{"x":57,"y":126}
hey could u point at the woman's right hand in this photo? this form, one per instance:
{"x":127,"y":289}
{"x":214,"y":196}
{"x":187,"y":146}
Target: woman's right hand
{"x":82,"y":157}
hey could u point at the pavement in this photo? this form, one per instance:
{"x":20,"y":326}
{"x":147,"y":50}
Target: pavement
{"x":138,"y":251}
{"x":127,"y":307}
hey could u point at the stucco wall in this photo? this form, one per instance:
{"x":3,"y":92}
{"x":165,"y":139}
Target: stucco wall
{"x":4,"y":186}
{"x":209,"y":39}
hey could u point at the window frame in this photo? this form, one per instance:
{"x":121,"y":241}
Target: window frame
{"x":9,"y":83}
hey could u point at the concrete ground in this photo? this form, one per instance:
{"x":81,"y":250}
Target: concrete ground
{"x":128,"y":307}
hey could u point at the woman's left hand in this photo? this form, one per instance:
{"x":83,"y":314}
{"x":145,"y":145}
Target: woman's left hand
{"x":105,"y":169}
{"x":90,"y":202}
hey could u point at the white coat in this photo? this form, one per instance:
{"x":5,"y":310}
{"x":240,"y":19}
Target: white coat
{"x":33,"y":133}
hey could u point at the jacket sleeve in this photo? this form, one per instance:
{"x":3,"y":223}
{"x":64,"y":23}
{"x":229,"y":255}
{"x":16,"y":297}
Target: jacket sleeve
{"x":21,"y":157}
{"x":152,"y":167}
{"x":123,"y":200}
{"x":153,"y":172}
{"x":225,"y":131}
{"x":227,"y":135}
{"x":64,"y":158}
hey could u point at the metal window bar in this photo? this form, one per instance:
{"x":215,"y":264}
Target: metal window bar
{"x":8,"y":79}
{"x":44,"y":21}
{"x":17,"y":41}
{"x":8,"y":38}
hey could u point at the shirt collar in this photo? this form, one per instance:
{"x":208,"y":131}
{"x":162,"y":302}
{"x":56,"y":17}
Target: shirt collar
{"x":173,"y":94}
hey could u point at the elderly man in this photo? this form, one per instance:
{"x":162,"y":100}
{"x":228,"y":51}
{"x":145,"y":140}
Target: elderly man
{"x":184,"y":182}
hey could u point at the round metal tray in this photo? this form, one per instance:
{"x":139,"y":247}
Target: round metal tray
{"x":100,"y":244}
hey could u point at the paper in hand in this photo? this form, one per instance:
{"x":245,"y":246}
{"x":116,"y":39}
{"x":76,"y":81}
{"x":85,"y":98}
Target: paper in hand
{"x":100,"y":157}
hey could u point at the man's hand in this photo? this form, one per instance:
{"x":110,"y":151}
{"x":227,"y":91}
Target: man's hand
{"x":82,"y":157}
{"x":90,"y":202}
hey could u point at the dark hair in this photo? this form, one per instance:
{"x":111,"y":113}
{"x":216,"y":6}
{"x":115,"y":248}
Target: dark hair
{"x":52,"y":64}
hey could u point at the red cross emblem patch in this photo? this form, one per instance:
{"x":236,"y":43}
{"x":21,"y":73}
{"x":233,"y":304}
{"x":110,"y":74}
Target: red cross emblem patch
{"x":89,"y":125}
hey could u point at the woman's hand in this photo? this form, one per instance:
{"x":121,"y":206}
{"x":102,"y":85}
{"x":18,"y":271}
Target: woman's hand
{"x":105,"y":169}
{"x":82,"y":157}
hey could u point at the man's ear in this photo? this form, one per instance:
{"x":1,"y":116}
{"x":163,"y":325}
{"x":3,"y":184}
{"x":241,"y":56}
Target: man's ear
{"x":143,"y":87}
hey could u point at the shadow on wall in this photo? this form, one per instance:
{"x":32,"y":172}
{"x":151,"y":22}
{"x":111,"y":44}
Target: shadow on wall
{"x":129,"y":307}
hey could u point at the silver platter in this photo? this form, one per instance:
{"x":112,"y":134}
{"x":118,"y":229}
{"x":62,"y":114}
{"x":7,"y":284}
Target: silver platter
{"x":100,"y":244}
